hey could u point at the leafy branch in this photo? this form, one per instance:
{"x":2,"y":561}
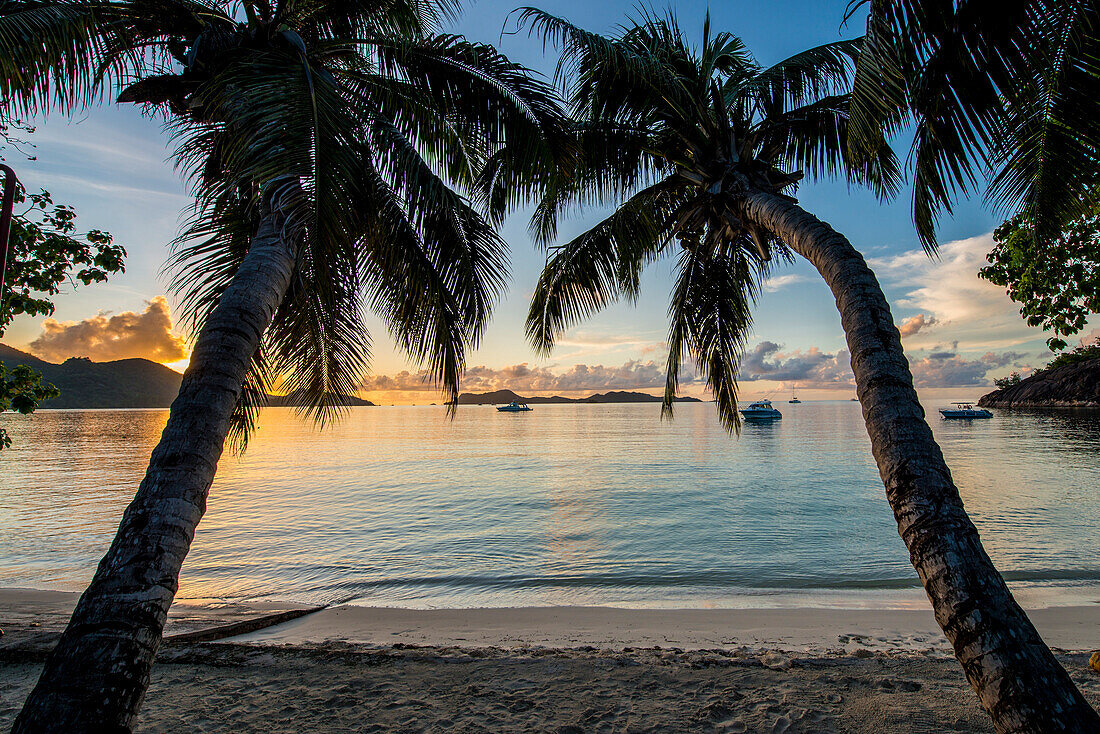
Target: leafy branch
{"x":1056,"y":280}
{"x":47,"y":254}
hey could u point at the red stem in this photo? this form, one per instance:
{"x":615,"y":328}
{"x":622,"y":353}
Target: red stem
{"x":5,"y":220}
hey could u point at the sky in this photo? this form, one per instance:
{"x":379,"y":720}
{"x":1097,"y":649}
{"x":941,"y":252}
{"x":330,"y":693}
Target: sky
{"x":113,"y":165}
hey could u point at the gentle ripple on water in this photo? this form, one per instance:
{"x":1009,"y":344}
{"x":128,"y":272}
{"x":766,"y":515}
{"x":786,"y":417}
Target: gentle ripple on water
{"x":568,"y":504}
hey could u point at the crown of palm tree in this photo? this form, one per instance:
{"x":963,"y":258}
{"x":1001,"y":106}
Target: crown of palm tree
{"x":682,"y":134}
{"x":398,"y":152}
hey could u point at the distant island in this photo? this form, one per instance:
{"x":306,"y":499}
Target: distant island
{"x":124,"y":383}
{"x":617,"y":396}
{"x":347,"y":401}
{"x":1074,"y":385}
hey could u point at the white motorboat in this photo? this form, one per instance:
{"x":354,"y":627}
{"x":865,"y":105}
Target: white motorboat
{"x":514,"y":407}
{"x":761,"y":410}
{"x":965,"y":410}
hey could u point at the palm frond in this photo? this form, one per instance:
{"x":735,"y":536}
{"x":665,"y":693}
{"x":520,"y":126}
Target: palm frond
{"x":711,"y":315}
{"x":393,"y":152}
{"x":1048,"y":145}
{"x":49,"y":54}
{"x":951,"y":68}
{"x":580,"y":50}
{"x":807,"y":76}
{"x":432,"y":271}
{"x":357,"y":18}
{"x":813,"y":138}
{"x":68,"y":55}
{"x":501,"y":101}
{"x":257,"y":386}
{"x":598,"y":267}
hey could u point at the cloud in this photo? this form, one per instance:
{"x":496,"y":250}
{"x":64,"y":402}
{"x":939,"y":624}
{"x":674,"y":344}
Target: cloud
{"x":113,"y":190}
{"x":659,"y":348}
{"x":809,"y":368}
{"x":914,"y":324}
{"x":947,"y":369}
{"x":782,"y":281}
{"x":816,"y":369}
{"x":105,"y":337}
{"x":1093,"y":337}
{"x":948,"y":293}
{"x":523,"y":378}
{"x":578,"y":345}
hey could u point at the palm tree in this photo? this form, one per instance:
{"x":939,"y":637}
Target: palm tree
{"x":704,"y":147}
{"x":1005,"y":93}
{"x":336,"y":150}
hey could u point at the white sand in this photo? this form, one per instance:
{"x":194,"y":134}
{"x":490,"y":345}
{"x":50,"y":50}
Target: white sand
{"x":807,"y":631}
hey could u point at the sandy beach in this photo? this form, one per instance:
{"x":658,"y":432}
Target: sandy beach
{"x":565,"y":669}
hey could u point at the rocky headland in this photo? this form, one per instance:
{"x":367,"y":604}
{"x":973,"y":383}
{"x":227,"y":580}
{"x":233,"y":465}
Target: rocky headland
{"x":1074,"y":385}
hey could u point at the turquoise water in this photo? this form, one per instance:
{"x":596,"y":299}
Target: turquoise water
{"x":567,"y":504}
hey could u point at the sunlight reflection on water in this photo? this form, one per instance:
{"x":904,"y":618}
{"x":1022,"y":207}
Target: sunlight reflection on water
{"x":568,"y":504}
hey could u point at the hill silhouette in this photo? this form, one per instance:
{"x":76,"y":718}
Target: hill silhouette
{"x":123,"y":383}
{"x":615,"y":396}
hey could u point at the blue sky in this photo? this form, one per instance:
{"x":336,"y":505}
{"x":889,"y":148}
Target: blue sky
{"x":112,"y":165}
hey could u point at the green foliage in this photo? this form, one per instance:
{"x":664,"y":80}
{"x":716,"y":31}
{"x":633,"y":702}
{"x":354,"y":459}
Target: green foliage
{"x":1003,"y":382}
{"x":1055,"y":280}
{"x":675,"y":134}
{"x":46,"y":253}
{"x":1082,"y":353}
{"x":21,"y":390}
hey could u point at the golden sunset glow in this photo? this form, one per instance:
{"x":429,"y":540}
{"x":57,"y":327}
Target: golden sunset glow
{"x":180,"y":365}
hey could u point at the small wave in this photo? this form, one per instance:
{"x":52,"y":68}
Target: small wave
{"x":711,"y":581}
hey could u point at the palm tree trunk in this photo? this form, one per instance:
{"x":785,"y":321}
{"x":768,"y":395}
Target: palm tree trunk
{"x":95,"y":679}
{"x":1017,"y":679}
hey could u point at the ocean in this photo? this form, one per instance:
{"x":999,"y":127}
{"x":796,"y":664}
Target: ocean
{"x":567,"y":504}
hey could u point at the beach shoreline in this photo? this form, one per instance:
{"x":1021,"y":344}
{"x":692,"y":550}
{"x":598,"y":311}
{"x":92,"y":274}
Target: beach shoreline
{"x":562,"y":669}
{"x":803,"y":630}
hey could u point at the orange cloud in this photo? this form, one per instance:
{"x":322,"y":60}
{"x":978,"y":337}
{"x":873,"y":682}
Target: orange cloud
{"x":104,"y":337}
{"x":913,"y":324}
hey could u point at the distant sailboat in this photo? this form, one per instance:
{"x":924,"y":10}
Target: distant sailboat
{"x":794,"y":400}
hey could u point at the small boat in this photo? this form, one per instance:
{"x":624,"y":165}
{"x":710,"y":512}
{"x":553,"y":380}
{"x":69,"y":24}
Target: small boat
{"x":965,"y":410}
{"x":514,"y":407}
{"x":794,"y":400}
{"x":761,"y":410}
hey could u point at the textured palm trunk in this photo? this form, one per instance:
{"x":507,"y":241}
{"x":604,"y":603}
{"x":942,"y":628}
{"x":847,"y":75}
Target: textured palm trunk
{"x":1017,"y":679}
{"x":96,"y":677}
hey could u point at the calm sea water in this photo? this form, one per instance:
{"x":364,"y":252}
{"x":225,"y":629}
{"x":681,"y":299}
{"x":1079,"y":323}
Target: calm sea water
{"x":567,"y":504}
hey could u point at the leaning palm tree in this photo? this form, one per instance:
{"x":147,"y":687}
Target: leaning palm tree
{"x":337,"y":150}
{"x":700,"y":149}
